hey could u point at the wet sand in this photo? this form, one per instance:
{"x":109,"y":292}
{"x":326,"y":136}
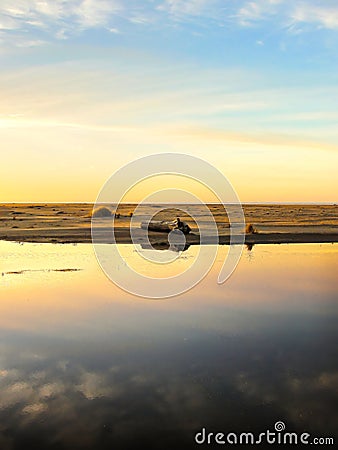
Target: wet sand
{"x":71,"y":223}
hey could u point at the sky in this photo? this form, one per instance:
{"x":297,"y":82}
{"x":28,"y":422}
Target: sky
{"x":87,"y":86}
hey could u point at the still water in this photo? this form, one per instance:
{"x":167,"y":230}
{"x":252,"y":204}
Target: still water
{"x":84,"y":365}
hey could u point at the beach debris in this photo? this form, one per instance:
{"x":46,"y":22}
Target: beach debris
{"x":166,"y":226}
{"x":250,"y":229}
{"x":102,"y":212}
{"x":21,"y":272}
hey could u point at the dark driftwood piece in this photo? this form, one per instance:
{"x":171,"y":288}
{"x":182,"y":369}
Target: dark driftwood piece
{"x":165,"y":226}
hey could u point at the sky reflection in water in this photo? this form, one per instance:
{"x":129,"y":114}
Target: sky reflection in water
{"x":84,"y":365}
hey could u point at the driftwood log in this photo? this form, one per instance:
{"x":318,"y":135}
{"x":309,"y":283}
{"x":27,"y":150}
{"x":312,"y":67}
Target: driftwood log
{"x":165,"y":226}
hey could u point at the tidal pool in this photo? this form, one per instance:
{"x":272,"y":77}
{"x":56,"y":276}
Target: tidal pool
{"x":84,"y":365}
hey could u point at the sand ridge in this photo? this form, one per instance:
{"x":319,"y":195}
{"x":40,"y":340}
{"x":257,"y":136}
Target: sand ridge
{"x":71,"y":223}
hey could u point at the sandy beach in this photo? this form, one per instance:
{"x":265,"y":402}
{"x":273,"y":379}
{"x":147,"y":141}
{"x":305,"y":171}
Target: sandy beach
{"x":71,"y":223}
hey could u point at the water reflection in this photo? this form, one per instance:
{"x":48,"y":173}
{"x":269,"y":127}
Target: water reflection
{"x":84,"y":365}
{"x":166,"y":246}
{"x":249,"y":247}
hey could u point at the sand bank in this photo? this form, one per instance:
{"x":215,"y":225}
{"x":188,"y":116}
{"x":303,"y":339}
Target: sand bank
{"x":71,"y":223}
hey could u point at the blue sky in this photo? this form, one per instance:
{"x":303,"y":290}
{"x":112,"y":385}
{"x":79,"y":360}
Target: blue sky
{"x":90,"y":85}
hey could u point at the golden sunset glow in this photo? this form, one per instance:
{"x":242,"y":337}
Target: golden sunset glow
{"x":75,"y":108}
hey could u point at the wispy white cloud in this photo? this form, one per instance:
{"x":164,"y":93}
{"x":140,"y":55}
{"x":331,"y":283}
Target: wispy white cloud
{"x":250,"y":12}
{"x":187,"y":7}
{"x":85,"y":13}
{"x":56,"y":18}
{"x":323,"y":15}
{"x":91,"y":13}
{"x":141,"y":19}
{"x":59,"y":19}
{"x":8,"y":23}
{"x":113,"y":30}
{"x":289,"y":13}
{"x":30,"y":43}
